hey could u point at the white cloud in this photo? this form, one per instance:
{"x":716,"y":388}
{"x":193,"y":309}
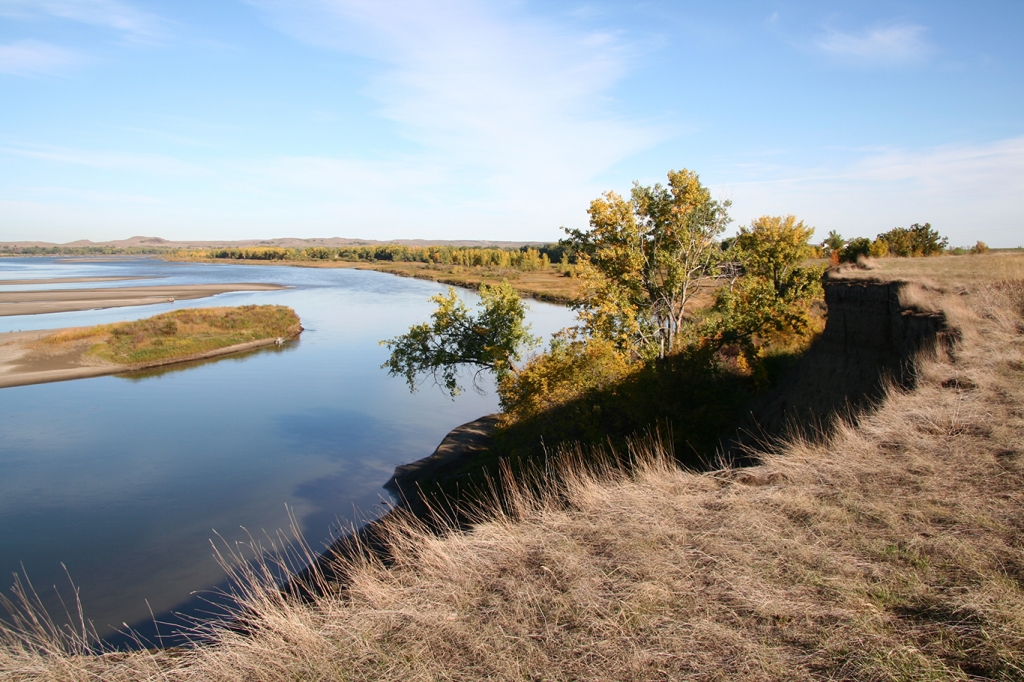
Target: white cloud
{"x":967,"y":191}
{"x":112,"y":14}
{"x":892,"y":45}
{"x":33,"y":58}
{"x":149,"y":163}
{"x":502,"y":110}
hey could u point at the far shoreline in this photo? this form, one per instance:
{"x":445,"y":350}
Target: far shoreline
{"x":539,"y":289}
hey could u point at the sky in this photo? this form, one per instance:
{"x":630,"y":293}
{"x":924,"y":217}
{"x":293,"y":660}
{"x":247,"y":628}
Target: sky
{"x":502,"y":120}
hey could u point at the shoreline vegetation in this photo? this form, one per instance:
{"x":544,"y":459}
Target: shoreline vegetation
{"x":170,"y":338}
{"x":529,"y":270}
{"x":541,"y":271}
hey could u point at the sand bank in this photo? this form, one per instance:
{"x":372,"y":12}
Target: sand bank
{"x":67,"y":300}
{"x":66,"y":280}
{"x":22,"y":365}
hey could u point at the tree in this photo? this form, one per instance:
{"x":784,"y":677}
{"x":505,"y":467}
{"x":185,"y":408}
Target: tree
{"x":772,"y":248}
{"x":834,"y":242}
{"x":642,"y":261}
{"x":775,"y":293}
{"x":492,"y":340}
{"x":855,"y":248}
{"x":833,"y":246}
{"x":917,"y":240}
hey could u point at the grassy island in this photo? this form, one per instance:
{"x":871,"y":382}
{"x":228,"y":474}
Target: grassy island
{"x":177,"y":335}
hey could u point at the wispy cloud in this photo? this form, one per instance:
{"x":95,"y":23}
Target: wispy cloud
{"x":130,"y":22}
{"x":962,"y":189}
{"x":34,"y":58}
{"x":890,"y":45}
{"x":106,"y":160}
{"x":499,"y":107}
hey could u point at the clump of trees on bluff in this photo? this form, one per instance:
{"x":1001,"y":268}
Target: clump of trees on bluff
{"x":644,"y":263}
{"x":676,"y":326}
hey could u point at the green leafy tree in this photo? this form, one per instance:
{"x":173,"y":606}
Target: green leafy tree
{"x":775,"y":293}
{"x":917,"y":240}
{"x":833,"y":246}
{"x":855,"y":248}
{"x":642,"y":261}
{"x":772,"y":248}
{"x":492,"y":340}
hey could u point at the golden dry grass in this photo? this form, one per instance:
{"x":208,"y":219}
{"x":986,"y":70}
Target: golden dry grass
{"x":954,"y":272}
{"x":895,"y":551}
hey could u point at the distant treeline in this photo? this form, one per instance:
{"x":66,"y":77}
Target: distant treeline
{"x":523,"y":258}
{"x":917,"y":240}
{"x":11,"y":250}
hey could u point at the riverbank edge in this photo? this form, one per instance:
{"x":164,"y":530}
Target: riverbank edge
{"x":49,"y":376}
{"x":867,"y":313}
{"x":544,"y":297}
{"x":456,"y":449}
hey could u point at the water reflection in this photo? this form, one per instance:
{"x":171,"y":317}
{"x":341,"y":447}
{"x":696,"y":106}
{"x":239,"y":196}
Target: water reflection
{"x":125,"y":479}
{"x":157,"y":372}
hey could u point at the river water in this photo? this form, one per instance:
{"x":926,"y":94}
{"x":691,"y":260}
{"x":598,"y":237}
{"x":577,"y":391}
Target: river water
{"x":123,"y":482}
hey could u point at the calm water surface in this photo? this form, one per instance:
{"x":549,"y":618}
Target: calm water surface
{"x":126,"y":480}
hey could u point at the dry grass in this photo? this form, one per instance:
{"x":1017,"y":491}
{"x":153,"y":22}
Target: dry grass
{"x":893,"y":552}
{"x":953,"y":272}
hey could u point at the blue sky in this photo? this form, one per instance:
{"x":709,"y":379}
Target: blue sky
{"x":502,"y":120}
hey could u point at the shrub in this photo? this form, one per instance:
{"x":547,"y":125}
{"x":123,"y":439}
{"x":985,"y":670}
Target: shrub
{"x":854,"y":249}
{"x":569,"y":370}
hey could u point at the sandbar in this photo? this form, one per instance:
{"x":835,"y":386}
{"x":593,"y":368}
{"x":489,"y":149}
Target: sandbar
{"x":66,"y":280}
{"x":22,"y":365}
{"x":68,"y":300}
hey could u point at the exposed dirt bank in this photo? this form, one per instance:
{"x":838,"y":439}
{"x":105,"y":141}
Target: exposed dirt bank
{"x":461,"y":443}
{"x":875,"y":332}
{"x":67,"y":300}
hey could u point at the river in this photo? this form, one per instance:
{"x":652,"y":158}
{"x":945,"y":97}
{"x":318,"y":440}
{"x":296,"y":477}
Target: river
{"x":121,"y":483}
